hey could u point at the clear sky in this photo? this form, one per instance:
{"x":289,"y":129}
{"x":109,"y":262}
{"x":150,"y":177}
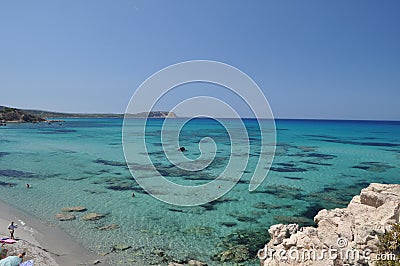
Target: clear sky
{"x":313,"y":59}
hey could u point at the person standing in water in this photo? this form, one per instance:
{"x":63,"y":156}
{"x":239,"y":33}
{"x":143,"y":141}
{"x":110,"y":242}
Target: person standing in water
{"x":11,"y":228}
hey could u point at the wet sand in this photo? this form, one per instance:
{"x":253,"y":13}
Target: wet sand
{"x":43,"y":243}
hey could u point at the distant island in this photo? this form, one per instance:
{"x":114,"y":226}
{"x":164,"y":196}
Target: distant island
{"x":14,"y":115}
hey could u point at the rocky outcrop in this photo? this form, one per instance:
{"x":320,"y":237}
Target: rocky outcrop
{"x":346,"y":236}
{"x":18,"y":116}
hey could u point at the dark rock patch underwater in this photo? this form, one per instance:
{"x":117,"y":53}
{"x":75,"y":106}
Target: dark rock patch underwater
{"x":7,"y":184}
{"x":2,"y":153}
{"x":241,"y":245}
{"x":110,"y":163}
{"x":17,"y":173}
{"x":361,"y":143}
{"x":376,"y":167}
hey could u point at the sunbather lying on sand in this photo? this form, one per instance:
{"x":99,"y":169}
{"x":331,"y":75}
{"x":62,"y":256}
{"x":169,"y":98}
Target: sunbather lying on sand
{"x":12,"y":260}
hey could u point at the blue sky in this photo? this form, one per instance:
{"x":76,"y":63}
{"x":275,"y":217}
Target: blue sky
{"x":313,"y":59}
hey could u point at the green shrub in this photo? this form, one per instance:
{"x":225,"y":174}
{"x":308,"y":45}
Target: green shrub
{"x":389,"y":243}
{"x":7,"y":109}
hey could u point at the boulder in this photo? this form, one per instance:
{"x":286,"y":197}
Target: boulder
{"x":65,"y":216}
{"x":92,"y":216}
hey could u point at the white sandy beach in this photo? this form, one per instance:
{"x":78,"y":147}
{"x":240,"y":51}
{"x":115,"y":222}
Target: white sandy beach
{"x":46,"y":245}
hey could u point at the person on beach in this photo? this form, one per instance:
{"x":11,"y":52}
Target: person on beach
{"x":12,"y":260}
{"x":11,"y":228}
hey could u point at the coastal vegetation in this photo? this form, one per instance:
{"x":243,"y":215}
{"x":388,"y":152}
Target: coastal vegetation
{"x":389,"y":243}
{"x":8,"y":114}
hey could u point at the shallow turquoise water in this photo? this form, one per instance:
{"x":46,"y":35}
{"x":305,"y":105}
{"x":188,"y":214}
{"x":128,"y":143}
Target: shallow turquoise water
{"x":318,"y":164}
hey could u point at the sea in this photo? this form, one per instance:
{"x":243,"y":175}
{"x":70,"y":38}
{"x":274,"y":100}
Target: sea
{"x":317,"y":164}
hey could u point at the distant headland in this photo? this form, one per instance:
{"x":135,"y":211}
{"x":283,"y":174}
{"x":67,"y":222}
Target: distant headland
{"x":15,"y":115}
{"x":153,"y":114}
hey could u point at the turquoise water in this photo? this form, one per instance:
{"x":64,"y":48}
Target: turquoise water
{"x":318,"y":164}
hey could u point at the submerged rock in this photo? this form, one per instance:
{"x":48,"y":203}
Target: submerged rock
{"x":355,"y":229}
{"x":108,"y":227}
{"x":158,"y":252}
{"x":200,"y":230}
{"x":6,"y":184}
{"x":243,"y":218}
{"x":121,"y":247}
{"x":190,"y":263}
{"x":65,"y":216}
{"x":242,"y":245}
{"x":92,"y":216}
{"x":375,"y":167}
{"x":228,"y":224}
{"x":266,"y":206}
{"x":196,"y":263}
{"x":237,"y":253}
{"x":74,"y":209}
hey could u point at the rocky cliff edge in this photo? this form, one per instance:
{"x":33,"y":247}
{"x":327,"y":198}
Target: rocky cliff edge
{"x":346,"y":236}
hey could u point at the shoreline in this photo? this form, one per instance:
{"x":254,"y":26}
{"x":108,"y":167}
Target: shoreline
{"x":47,"y":243}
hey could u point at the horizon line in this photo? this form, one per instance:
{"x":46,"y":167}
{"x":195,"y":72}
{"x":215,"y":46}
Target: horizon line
{"x":178,"y":116}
